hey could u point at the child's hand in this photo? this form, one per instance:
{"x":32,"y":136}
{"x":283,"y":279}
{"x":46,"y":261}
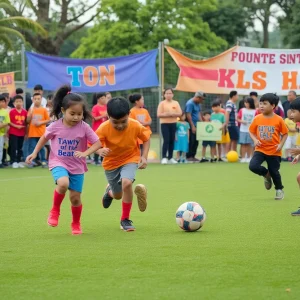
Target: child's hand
{"x":295,"y":160}
{"x":30,"y":158}
{"x":257,"y":143}
{"x":79,"y":154}
{"x":194,"y":129}
{"x":294,"y":151}
{"x":37,"y":123}
{"x":103,"y":152}
{"x":279,"y":147}
{"x":20,"y":126}
{"x":143,"y":163}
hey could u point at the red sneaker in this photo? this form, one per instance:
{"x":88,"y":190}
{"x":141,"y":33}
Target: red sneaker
{"x":53,"y":218}
{"x":76,"y":229}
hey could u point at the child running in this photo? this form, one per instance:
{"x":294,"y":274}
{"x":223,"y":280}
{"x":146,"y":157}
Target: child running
{"x":269,"y":133}
{"x":139,"y":113}
{"x":295,"y":116}
{"x":69,"y":136}
{"x":119,"y":135}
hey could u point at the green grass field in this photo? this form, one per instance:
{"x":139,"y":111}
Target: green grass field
{"x":247,"y":249}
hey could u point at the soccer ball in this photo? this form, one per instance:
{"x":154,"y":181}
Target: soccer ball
{"x":232,"y":156}
{"x":190,"y":216}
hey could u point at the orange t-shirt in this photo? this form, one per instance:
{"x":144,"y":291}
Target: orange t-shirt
{"x":123,"y":145}
{"x":141,"y":115}
{"x":268,"y":131}
{"x":38,"y":114}
{"x":170,"y":107}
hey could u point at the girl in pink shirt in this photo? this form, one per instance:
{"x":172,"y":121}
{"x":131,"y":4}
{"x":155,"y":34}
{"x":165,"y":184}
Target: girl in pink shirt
{"x":69,"y":135}
{"x":99,"y":114}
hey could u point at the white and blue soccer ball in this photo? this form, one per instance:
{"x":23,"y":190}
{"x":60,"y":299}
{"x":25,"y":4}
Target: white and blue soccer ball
{"x":190,"y":216}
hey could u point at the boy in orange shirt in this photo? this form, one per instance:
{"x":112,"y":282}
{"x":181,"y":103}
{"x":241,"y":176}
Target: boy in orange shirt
{"x":139,"y":113}
{"x":37,"y":118}
{"x":122,"y":158}
{"x":269,"y":133}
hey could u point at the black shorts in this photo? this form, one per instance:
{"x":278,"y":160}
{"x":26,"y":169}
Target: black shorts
{"x":209,"y":143}
{"x":234,"y":133}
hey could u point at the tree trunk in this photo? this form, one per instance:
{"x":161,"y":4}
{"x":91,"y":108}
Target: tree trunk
{"x":266,"y":33}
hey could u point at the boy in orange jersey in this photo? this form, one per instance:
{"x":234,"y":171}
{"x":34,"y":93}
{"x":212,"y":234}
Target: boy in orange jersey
{"x":269,"y":133}
{"x":119,"y":135}
{"x":37,"y":118}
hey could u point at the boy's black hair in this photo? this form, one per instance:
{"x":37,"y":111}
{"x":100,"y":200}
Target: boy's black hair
{"x":251,"y":102}
{"x":295,"y":104}
{"x":36,"y":94}
{"x":17,"y":97}
{"x":19,"y":91}
{"x":118,"y":108}
{"x":206,"y":112}
{"x":63,"y":98}
{"x":273,"y":99}
{"x":2,"y":97}
{"x":253,"y":94}
{"x":232,"y":94}
{"x":134,"y":97}
{"x":50,"y":97}
{"x":216,"y":103}
{"x":38,"y":87}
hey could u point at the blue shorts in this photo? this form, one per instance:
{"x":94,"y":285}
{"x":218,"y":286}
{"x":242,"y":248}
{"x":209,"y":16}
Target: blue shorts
{"x":75,"y":180}
{"x":212,"y":144}
{"x":234,"y":133}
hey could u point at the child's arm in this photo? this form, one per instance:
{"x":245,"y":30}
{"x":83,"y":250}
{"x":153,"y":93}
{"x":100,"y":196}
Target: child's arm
{"x":96,"y":146}
{"x":41,"y":143}
{"x":283,"y":139}
{"x":143,"y":162}
{"x":257,"y":142}
{"x":102,"y":116}
{"x":16,"y":126}
{"x":39,"y":123}
{"x":3,"y":125}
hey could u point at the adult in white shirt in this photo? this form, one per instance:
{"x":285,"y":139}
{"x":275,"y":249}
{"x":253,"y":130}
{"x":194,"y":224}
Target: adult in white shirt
{"x":39,"y":89}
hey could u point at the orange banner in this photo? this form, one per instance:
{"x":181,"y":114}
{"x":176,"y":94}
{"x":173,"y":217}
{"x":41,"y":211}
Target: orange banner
{"x":243,"y":69}
{"x":7,"y":83}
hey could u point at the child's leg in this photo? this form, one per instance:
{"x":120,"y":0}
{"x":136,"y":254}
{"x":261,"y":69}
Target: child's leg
{"x":273,"y":167}
{"x":178,"y":155}
{"x":76,"y":184}
{"x":256,"y":167}
{"x":61,"y":179}
{"x":96,"y":158}
{"x":114,"y":188}
{"x":213,"y":152}
{"x":243,"y":150}
{"x":203,"y":151}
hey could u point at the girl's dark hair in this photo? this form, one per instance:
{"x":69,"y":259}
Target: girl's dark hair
{"x":134,"y":97}
{"x":118,"y":108}
{"x":251,"y":102}
{"x":50,"y":97}
{"x":241,"y":104}
{"x":96,"y":96}
{"x":169,"y":89}
{"x":64,"y":98}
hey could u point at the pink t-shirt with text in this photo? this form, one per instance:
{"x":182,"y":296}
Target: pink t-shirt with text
{"x":65,"y":141}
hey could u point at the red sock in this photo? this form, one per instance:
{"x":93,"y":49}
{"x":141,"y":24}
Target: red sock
{"x":57,"y":200}
{"x":76,"y":212}
{"x":126,"y":208}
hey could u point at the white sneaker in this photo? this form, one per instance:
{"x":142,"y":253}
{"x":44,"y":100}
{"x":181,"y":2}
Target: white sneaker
{"x":248,"y":160}
{"x":173,"y":161}
{"x":243,"y":160}
{"x":21,"y":165}
{"x":15,"y":165}
{"x":164,"y":161}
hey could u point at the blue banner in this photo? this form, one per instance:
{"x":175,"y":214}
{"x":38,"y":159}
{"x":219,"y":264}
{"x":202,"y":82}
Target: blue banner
{"x":93,"y":75}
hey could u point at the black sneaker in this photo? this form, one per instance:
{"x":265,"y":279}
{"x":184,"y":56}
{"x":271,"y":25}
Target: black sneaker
{"x":213,"y":160}
{"x":126,"y":225}
{"x":220,"y":160}
{"x":107,"y":199}
{"x":203,"y":160}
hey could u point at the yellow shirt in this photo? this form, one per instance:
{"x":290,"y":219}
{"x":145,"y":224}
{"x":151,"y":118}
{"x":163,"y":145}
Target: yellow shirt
{"x":290,"y":125}
{"x":4,"y":118}
{"x":170,"y":107}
